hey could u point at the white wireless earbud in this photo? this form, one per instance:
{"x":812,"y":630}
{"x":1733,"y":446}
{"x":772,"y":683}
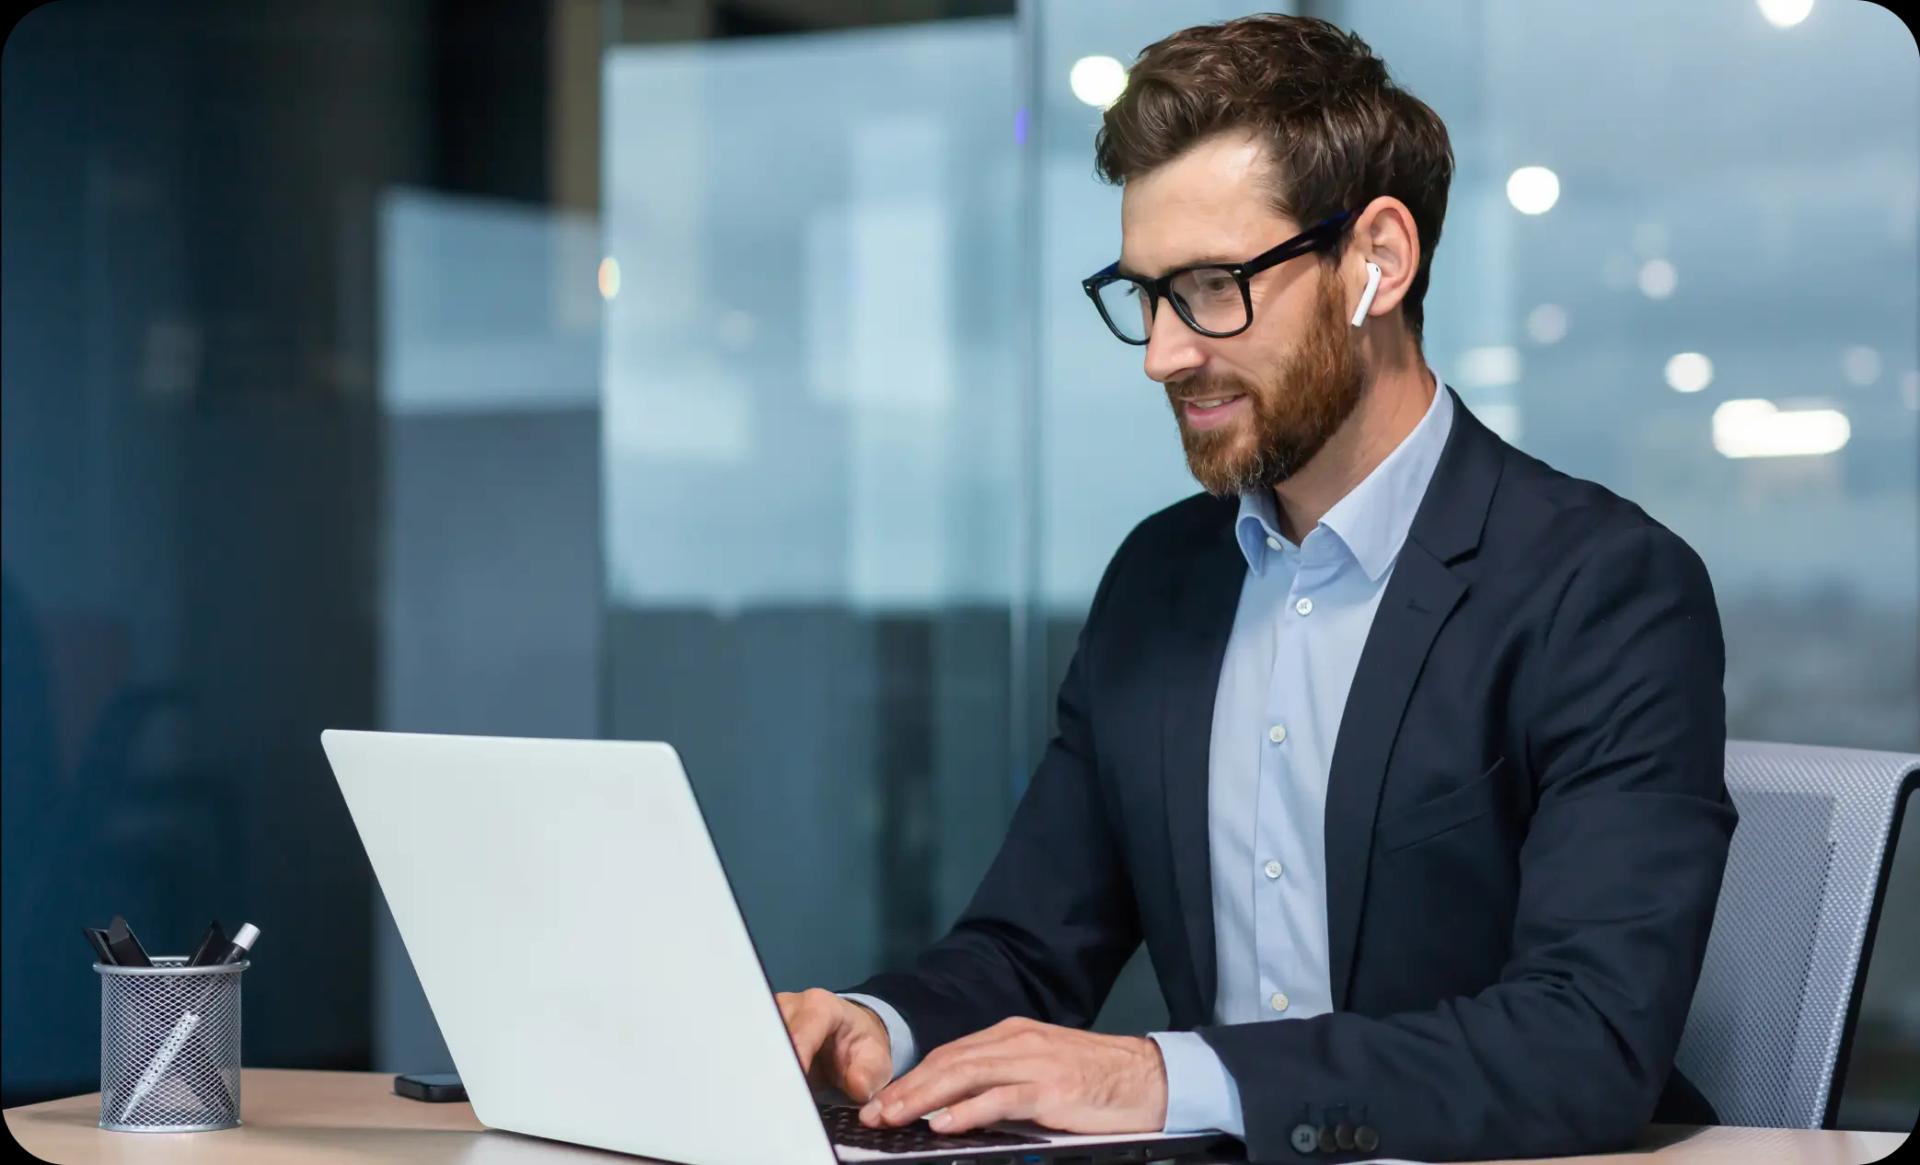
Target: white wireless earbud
{"x":1366,"y":297}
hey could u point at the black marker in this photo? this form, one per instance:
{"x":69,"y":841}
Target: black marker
{"x":212,"y":945}
{"x":97,"y":939}
{"x":127,"y":951}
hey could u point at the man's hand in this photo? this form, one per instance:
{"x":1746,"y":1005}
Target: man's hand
{"x":840,"y":1043}
{"x":1066,"y":1079}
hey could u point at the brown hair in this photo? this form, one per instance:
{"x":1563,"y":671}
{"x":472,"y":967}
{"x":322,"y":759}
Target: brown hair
{"x":1338,"y":132}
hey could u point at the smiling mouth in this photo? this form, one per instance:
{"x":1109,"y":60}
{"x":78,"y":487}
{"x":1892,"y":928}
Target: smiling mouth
{"x":1207,"y":403}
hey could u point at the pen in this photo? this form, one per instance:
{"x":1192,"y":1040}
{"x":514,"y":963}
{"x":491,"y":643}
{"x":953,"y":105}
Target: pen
{"x":239,"y":948}
{"x":243,"y":940}
{"x":162,"y":1060}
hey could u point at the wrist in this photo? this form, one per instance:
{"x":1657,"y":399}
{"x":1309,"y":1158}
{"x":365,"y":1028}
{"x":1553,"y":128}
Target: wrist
{"x":875,"y":1025}
{"x":1156,"y":1087}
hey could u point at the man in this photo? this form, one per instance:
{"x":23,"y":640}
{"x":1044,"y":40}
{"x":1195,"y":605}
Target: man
{"x":1400,"y":750}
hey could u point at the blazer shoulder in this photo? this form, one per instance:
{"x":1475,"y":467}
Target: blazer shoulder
{"x":1160,"y":544}
{"x":1186,"y":523}
{"x":1177,"y":532}
{"x":1546,"y":516}
{"x":1546,"y":504}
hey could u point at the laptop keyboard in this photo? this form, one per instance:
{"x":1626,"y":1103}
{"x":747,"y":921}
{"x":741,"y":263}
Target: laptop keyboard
{"x":844,"y":1128}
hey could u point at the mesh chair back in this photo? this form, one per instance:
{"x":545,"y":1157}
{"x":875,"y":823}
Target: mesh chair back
{"x":1777,"y":990}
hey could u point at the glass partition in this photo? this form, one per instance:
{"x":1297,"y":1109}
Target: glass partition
{"x":811,"y":411}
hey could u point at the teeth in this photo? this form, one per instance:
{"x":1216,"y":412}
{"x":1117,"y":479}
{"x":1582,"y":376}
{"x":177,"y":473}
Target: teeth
{"x":1213,"y":403}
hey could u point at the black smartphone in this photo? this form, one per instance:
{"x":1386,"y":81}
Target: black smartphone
{"x":430,"y":1086}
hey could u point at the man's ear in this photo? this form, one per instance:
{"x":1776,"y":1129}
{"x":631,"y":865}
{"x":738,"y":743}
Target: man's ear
{"x":1385,"y":236}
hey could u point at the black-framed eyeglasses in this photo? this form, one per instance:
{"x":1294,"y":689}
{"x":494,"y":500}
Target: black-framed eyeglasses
{"x":1212,"y":298}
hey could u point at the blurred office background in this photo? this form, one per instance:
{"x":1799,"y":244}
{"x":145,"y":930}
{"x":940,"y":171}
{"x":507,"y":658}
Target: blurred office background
{"x":717,"y":371}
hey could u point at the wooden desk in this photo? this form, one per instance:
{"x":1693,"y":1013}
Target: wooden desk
{"x":301,"y":1117}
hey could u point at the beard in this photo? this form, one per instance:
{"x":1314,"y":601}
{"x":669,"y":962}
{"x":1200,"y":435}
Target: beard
{"x":1290,"y":417}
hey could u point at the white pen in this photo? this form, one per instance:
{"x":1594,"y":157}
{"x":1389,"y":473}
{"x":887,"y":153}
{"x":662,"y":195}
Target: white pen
{"x":157,"y":1067}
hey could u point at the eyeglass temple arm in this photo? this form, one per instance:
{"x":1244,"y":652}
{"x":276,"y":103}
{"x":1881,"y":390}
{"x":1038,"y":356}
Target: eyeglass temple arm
{"x":1312,"y":239}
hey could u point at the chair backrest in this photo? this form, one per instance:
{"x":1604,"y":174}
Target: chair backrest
{"x":1781,"y":978}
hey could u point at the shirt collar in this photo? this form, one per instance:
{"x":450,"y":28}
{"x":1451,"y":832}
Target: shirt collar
{"x":1373,"y":518}
{"x":1257,"y":529}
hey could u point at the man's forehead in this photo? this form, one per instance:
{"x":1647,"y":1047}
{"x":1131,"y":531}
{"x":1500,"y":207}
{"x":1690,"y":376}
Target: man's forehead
{"x":1210,"y":203}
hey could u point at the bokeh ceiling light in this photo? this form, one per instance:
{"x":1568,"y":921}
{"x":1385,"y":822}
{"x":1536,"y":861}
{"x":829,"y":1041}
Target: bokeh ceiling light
{"x":1098,"y":81}
{"x":1760,"y":428}
{"x":1533,"y":189}
{"x":1547,"y":324}
{"x":1784,"y":13}
{"x":1689,"y":372}
{"x":1494,"y":366}
{"x":1860,"y":365}
{"x":1658,"y":279}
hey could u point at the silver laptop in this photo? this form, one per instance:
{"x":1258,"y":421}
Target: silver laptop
{"x":589,"y":968}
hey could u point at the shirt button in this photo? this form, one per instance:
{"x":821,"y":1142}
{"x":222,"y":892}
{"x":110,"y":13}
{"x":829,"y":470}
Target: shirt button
{"x":1272,"y":542}
{"x":1277,"y":734}
{"x":1272,"y":869}
{"x":1304,"y":606}
{"x":1278,"y":1002}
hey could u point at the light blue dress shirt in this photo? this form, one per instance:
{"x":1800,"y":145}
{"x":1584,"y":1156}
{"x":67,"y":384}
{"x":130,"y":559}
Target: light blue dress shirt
{"x":1303,"y":617}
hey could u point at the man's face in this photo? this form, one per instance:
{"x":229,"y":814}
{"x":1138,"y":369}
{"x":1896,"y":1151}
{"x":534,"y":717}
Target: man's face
{"x":1252,"y":408}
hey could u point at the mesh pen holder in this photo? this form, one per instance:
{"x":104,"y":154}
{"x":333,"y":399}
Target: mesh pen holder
{"x":169,"y":1047}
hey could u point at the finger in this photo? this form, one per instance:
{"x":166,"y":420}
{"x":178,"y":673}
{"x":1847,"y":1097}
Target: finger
{"x":943,"y":1086}
{"x":1006,"y":1102}
{"x":992,"y":1042}
{"x":933,"y":1063}
{"x":809,"y":1028}
{"x":865,"y":1067}
{"x":788,"y":1003}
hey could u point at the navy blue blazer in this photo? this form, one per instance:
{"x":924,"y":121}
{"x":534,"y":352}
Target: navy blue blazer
{"x":1526,"y":826}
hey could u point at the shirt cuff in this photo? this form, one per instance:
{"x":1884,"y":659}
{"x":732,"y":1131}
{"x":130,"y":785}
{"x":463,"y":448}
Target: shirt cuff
{"x":1201,"y":1093}
{"x":899,"y":1035}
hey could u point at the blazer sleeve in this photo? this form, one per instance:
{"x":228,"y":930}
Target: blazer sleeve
{"x":1619,"y":873}
{"x":1054,"y":920}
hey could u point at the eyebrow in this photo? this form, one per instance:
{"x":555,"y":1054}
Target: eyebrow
{"x":1211,"y":259}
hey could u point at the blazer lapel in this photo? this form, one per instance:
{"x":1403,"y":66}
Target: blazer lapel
{"x":1422,"y":592}
{"x":1205,"y":598}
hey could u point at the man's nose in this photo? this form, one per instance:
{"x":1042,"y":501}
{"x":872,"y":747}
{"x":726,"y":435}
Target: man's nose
{"x":1172,"y":347}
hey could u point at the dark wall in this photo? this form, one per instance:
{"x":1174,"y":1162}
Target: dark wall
{"x":192,"y":476}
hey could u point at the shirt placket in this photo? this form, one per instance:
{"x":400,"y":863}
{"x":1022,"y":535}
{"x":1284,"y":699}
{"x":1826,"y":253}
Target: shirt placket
{"x":1271,"y":856}
{"x":1277,"y":861}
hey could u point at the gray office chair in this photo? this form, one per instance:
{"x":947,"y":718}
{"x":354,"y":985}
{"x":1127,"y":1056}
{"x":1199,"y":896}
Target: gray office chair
{"x":1781,"y":983}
